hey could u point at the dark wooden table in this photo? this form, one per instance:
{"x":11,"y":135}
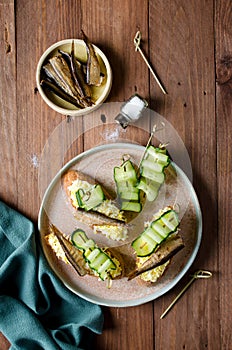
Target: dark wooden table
{"x":190,"y":45}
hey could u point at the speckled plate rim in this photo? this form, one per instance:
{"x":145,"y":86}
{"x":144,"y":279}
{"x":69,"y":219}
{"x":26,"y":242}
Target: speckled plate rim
{"x":171,"y":284}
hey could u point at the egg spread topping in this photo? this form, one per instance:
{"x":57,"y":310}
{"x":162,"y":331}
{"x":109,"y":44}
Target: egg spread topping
{"x":107,"y":207}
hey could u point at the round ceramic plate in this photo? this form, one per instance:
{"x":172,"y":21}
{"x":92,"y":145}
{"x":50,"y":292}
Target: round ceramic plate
{"x":99,"y":163}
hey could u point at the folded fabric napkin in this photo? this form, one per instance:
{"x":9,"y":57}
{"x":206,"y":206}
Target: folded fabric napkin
{"x":37,"y":312}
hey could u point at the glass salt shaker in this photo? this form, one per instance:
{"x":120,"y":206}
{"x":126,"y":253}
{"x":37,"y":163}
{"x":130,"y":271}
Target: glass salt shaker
{"x":131,"y":110}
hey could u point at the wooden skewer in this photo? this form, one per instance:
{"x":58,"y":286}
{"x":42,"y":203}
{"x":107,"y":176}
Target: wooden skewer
{"x":147,"y":145}
{"x":154,"y":129}
{"x":197,"y":275}
{"x":137,"y":40}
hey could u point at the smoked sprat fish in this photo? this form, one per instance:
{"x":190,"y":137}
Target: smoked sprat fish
{"x":72,"y":254}
{"x":70,"y":79}
{"x":84,"y":254}
{"x":165,"y":252}
{"x":93,"y":74}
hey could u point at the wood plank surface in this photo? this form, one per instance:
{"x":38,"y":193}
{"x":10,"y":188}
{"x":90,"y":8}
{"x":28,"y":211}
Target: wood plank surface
{"x":189,"y":45}
{"x":185,"y":42}
{"x":8,"y":129}
{"x":223,"y":16}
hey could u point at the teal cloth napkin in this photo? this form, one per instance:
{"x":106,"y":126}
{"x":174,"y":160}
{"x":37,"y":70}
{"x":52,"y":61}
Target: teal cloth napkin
{"x":37,"y":312}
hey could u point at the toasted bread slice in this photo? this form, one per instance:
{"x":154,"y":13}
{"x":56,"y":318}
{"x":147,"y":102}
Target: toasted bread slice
{"x":106,"y":214}
{"x":67,"y":252}
{"x":159,"y":259}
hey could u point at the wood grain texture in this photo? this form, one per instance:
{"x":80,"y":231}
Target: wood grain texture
{"x":8,"y":136}
{"x":112,"y":26}
{"x":183,"y":53}
{"x":8,"y":114}
{"x":188,"y":43}
{"x":223,"y":18}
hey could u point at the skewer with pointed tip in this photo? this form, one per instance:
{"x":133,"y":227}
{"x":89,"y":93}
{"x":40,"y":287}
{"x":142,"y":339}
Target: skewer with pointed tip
{"x":198,"y":274}
{"x":154,"y":130}
{"x":137,"y":40}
